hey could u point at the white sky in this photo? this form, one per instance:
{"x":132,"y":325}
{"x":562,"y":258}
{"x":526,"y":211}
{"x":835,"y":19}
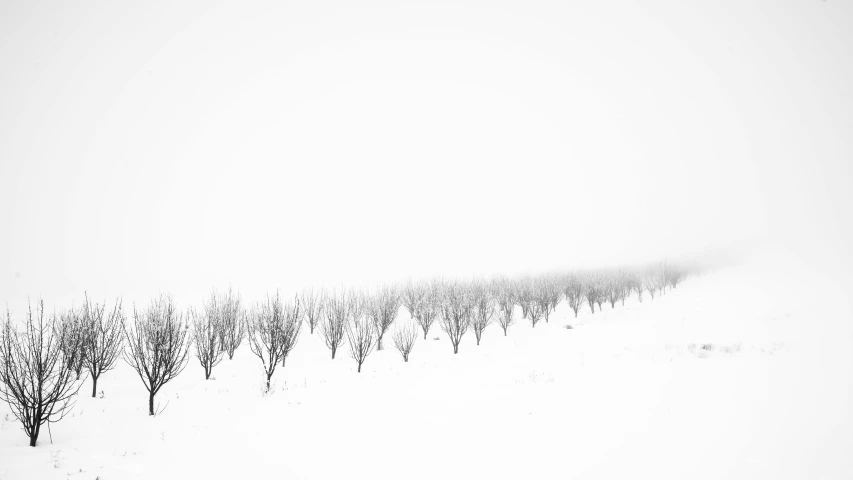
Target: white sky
{"x":151,"y":146}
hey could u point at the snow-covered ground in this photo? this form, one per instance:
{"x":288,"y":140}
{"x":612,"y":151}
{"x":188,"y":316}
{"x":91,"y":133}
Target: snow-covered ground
{"x":744,"y":372}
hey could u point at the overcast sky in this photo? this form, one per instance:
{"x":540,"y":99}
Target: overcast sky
{"x":176,"y":146}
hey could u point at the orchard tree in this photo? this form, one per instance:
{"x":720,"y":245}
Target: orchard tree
{"x":382,"y":307}
{"x":104,"y":340}
{"x":206,"y":336}
{"x":455,"y":314}
{"x":35,"y":379}
{"x":230,"y":318}
{"x":157,"y":345}
{"x":361,"y":336}
{"x":273,"y":330}
{"x":404,"y":337}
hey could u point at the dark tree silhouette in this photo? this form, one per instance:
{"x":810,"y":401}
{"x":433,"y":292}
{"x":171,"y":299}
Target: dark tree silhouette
{"x":273,"y":331}
{"x":361,"y":337}
{"x":404,"y":337}
{"x":35,"y":380}
{"x":104,"y":339}
{"x":157,"y":345}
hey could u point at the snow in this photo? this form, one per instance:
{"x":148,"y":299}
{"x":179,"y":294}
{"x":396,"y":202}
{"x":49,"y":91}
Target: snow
{"x":626,"y":393}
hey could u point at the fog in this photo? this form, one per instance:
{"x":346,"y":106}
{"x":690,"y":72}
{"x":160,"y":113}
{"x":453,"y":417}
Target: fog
{"x":156,"y":147}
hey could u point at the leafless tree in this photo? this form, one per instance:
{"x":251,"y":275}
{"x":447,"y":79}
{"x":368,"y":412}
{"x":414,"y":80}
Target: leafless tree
{"x":536,"y":310}
{"x":382,"y":307}
{"x":625,"y":286}
{"x":455,"y":313}
{"x":337,"y":311}
{"x":636,"y":282}
{"x":412,"y":296}
{"x":506,"y":306}
{"x":104,"y":340}
{"x":651,"y":283}
{"x":207,"y":338}
{"x":312,"y":307}
{"x":71,"y":332}
{"x":273,"y":330}
{"x":593,"y":292}
{"x":361,"y":336}
{"x":483,"y":310}
{"x":426,"y":309}
{"x":574,"y":292}
{"x":404,"y":338}
{"x":35,"y":380}
{"x":543,"y":296}
{"x":230,"y":317}
{"x":157,"y":345}
{"x":612,"y":288}
{"x":675,"y":275}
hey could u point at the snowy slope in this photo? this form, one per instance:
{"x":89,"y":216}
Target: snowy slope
{"x":628,"y":392}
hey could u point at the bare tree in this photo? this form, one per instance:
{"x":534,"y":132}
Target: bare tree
{"x":292,"y":328}
{"x":506,"y":306}
{"x":483,"y":310}
{"x":104,"y":340}
{"x":404,"y":338}
{"x":157,"y":345}
{"x":574,"y":291}
{"x":230,"y":317}
{"x":625,"y":286}
{"x":412,"y":296}
{"x":312,"y":307}
{"x":612,"y":288}
{"x":651,"y":283}
{"x":455,"y":314}
{"x":207,"y":338}
{"x":426,"y":310}
{"x":273,"y":329}
{"x":636,"y":282}
{"x":542,"y":296}
{"x":71,"y":332}
{"x":382,"y":308}
{"x":338,"y":308}
{"x":593,"y":293}
{"x":361,"y":336}
{"x":35,"y":380}
{"x":536,"y":310}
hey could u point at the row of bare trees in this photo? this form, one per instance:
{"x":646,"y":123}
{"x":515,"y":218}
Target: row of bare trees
{"x":43,"y":364}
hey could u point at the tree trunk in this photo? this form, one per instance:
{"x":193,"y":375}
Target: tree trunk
{"x":379,"y":343}
{"x":333,"y":354}
{"x":34,"y":435}
{"x":359,"y":368}
{"x":406,"y":358}
{"x":150,"y":404}
{"x":94,"y":385}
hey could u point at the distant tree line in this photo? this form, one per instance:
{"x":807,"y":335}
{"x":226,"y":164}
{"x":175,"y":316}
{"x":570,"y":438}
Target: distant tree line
{"x":44,"y":361}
